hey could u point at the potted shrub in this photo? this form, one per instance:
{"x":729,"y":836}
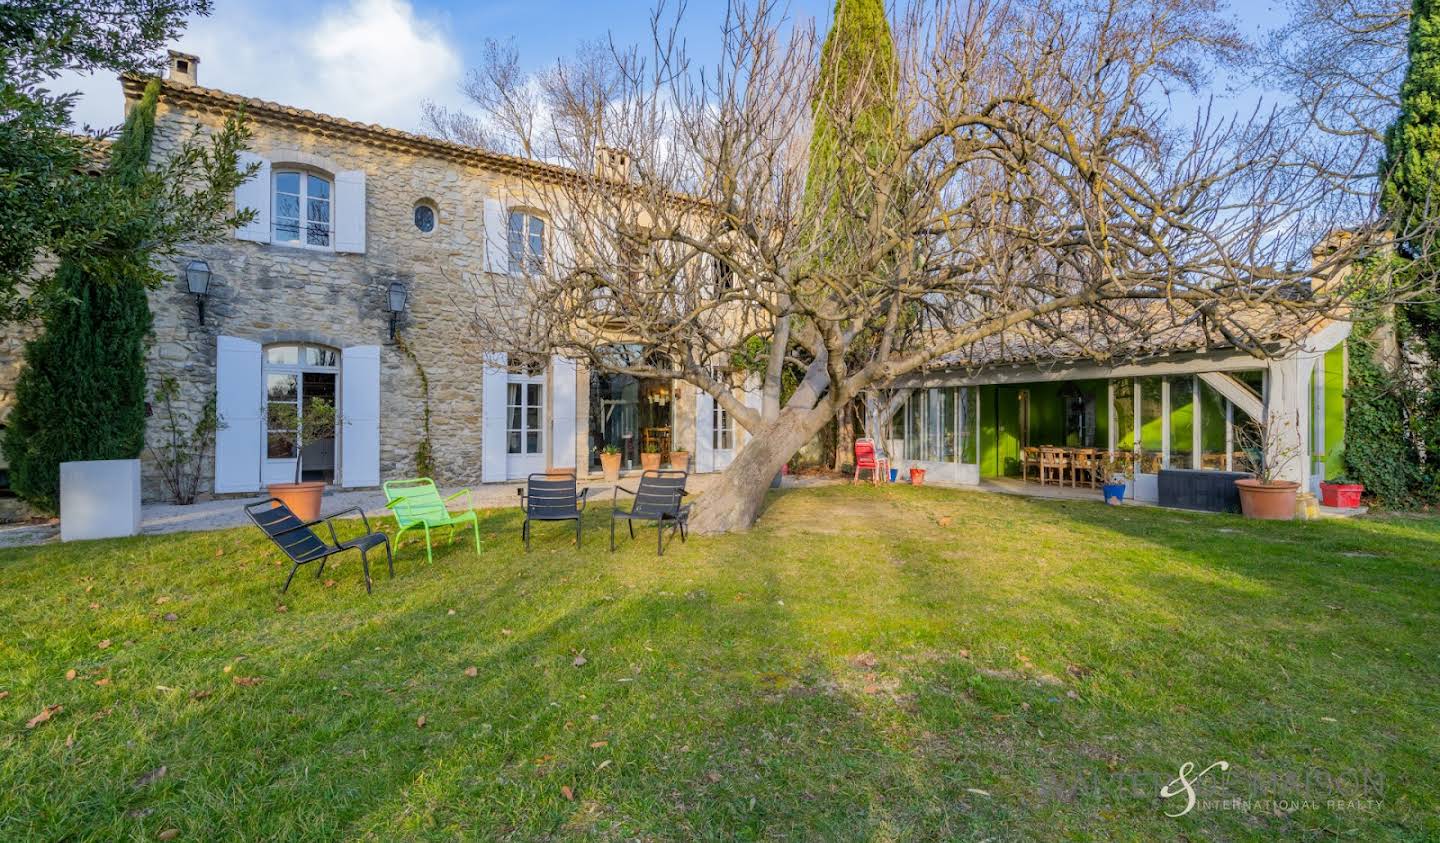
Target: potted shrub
{"x":303,"y":497}
{"x":610,"y":462}
{"x":680,"y":460}
{"x":1270,"y":451}
{"x":650,"y":457}
{"x":1341,"y":493}
{"x":1115,"y":470}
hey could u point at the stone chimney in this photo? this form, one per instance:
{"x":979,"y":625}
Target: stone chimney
{"x":612,"y":164}
{"x":184,"y":68}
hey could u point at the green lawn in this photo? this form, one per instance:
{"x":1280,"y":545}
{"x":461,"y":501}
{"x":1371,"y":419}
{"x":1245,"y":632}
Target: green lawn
{"x":890,"y":663}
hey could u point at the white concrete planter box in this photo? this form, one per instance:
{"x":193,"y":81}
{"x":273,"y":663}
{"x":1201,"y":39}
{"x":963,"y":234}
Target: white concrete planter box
{"x":99,"y":499}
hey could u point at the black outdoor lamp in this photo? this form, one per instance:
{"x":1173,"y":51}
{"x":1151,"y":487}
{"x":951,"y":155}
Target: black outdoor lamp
{"x":395,"y":303}
{"x":197,"y":276}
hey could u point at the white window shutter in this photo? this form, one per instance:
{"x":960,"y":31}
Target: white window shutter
{"x":562,"y":412}
{"x":254,"y":193}
{"x":350,"y":211}
{"x":492,"y":416}
{"x":239,"y":402}
{"x":704,"y":431}
{"x":360,"y":416}
{"x":497,"y":238}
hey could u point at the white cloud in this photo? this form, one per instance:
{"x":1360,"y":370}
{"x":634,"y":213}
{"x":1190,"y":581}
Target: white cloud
{"x":367,"y":60}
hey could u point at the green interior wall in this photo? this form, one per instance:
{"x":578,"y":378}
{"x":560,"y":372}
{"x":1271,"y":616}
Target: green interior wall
{"x":1000,"y":422}
{"x":1335,"y":371}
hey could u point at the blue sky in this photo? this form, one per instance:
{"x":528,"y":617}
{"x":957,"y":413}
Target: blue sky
{"x":374,"y":60}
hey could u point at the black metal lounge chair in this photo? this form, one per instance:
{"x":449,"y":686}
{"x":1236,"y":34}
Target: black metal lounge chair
{"x":656,"y":499}
{"x":550,"y":498}
{"x":300,"y":543}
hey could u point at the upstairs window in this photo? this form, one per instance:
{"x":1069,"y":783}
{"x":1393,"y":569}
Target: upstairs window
{"x":302,"y":209}
{"x":527,"y":244}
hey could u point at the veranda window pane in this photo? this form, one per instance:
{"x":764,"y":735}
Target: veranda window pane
{"x":967,"y":398}
{"x":941,"y":412}
{"x":1182,"y":421}
{"x":1212,"y":428}
{"x":1243,"y":459}
{"x":914,"y":426}
{"x":287,"y":183}
{"x":1152,"y":424}
{"x":1124,"y":416}
{"x":513,"y":446}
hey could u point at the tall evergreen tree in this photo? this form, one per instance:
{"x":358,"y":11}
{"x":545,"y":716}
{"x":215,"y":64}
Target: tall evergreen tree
{"x":81,"y":395}
{"x":1393,"y":421}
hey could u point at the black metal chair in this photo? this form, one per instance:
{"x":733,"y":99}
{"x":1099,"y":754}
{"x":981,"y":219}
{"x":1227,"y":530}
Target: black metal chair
{"x":657,"y":499}
{"x":551,"y":498}
{"x":300,"y":543}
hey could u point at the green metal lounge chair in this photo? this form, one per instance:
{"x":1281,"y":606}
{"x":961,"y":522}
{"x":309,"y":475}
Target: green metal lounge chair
{"x":417,"y":504}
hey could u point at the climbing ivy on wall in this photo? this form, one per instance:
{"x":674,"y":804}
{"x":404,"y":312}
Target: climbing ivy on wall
{"x":424,"y":452}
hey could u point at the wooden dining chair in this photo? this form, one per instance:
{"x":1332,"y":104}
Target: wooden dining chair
{"x":1053,"y":463}
{"x":1086,"y":460}
{"x":1030,"y":459}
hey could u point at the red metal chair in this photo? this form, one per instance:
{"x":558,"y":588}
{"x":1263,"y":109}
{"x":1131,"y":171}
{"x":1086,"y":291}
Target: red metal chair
{"x":866,"y":459}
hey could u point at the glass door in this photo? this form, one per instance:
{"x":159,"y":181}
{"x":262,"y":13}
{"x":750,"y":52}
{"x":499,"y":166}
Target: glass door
{"x":297,"y":376}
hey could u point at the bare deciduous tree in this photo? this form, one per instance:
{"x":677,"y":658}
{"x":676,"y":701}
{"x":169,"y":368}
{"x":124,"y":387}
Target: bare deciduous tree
{"x":1035,"y":194}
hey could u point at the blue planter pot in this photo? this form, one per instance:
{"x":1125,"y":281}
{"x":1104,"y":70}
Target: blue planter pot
{"x":894,"y":473}
{"x":1114,"y":493}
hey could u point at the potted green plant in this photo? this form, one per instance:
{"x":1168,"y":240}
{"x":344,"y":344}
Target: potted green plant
{"x":1270,"y":449}
{"x":610,"y":462}
{"x":650,"y":457}
{"x":316,"y":425}
{"x":1116,"y":470}
{"x":680,"y":460}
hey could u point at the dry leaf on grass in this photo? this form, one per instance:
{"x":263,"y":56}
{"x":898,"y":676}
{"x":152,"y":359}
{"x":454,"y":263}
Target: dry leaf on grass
{"x":70,"y":740}
{"x":70,"y":675}
{"x":164,"y":598}
{"x":219,"y":551}
{"x":152,"y":777}
{"x":102,"y":682}
{"x":598,"y":744}
{"x":199,"y":695}
{"x":944,"y":520}
{"x":171,"y":616}
{"x":329,"y":583}
{"x":713,"y":776}
{"x":451,"y":612}
{"x":168,"y":834}
{"x":104,"y":645}
{"x":46,"y":714}
{"x":282,"y":608}
{"x":4,"y":694}
{"x":472,"y":671}
{"x":568,"y":793}
{"x":94,"y":606}
{"x":247,"y":681}
{"x":420,"y":722}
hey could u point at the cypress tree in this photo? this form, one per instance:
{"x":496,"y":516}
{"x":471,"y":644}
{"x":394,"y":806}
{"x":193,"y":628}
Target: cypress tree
{"x":81,"y":394}
{"x":855,"y":108}
{"x":1393,"y":413}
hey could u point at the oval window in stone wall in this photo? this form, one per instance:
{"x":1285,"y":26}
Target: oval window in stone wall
{"x":425,"y":217}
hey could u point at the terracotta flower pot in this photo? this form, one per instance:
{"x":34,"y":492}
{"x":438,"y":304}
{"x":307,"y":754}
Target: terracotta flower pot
{"x":680,"y":460}
{"x":1268,"y":501}
{"x":302,"y":498}
{"x":650,"y":461}
{"x":560,"y":473}
{"x":610,"y":466}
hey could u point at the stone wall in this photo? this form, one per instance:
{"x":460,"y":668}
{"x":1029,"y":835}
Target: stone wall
{"x":270,"y":293}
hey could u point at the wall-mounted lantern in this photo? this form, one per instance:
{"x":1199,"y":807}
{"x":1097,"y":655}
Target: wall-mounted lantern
{"x":197,"y":278}
{"x":395,"y":304}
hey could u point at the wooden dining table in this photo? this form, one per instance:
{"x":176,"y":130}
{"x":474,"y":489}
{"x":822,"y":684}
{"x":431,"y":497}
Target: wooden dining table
{"x":1056,"y":462}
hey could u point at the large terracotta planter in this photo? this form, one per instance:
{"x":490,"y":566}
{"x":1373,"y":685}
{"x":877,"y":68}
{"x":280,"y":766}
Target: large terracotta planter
{"x":650,"y":461}
{"x":560,"y":473}
{"x":680,"y":460}
{"x":610,"y":466}
{"x":302,"y":498}
{"x":1268,"y":501}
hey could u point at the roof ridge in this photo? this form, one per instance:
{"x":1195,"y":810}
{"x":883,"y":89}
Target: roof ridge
{"x":133,"y":85}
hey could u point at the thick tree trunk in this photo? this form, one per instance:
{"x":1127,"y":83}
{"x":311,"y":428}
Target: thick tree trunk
{"x":733,"y":502}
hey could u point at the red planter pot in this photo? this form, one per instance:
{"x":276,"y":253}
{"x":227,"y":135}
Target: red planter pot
{"x":917,"y":477}
{"x":1341,"y":495}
